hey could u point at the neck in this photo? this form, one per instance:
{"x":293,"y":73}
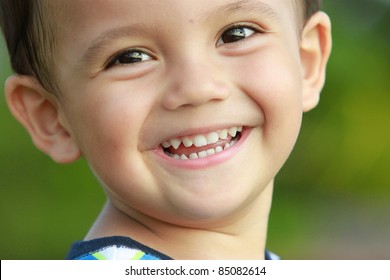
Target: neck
{"x":243,"y":237}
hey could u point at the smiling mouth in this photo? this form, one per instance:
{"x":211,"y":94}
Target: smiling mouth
{"x":202,"y":145}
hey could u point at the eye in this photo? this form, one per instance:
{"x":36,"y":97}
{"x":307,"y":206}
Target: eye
{"x":129,"y":57}
{"x":235,"y":34}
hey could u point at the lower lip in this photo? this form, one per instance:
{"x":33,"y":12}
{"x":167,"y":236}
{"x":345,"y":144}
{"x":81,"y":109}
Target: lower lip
{"x":209,"y":161}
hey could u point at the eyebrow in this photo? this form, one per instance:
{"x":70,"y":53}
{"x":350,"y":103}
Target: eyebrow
{"x":249,"y":7}
{"x":105,"y":38}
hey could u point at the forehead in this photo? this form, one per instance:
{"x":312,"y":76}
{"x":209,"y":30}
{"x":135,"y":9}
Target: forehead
{"x":78,"y":12}
{"x":95,"y":14}
{"x":82,"y":22}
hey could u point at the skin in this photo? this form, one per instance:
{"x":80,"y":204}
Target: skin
{"x":190,"y":81}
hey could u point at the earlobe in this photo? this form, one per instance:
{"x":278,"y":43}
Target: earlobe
{"x":316,"y":45}
{"x":39,"y":114}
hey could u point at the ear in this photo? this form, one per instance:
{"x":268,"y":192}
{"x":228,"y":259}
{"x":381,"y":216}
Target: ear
{"x":315,"y":48}
{"x":38,"y":111}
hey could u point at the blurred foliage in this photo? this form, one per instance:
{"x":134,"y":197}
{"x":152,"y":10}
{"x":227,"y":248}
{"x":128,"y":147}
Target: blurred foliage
{"x":331,"y":198}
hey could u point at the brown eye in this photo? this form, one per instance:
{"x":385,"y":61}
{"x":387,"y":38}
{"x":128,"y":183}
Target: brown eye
{"x":235,"y":34}
{"x":129,"y":57}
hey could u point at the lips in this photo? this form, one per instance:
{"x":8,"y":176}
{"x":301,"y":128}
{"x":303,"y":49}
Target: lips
{"x":202,"y":145}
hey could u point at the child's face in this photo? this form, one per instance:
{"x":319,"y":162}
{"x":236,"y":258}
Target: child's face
{"x":135,"y":75}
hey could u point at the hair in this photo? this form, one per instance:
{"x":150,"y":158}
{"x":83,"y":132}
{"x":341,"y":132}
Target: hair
{"x":29,"y":31}
{"x":30,"y":37}
{"x":310,"y":7}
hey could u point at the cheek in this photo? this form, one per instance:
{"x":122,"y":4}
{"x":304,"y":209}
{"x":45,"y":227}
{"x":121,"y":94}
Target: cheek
{"x":273,"y":81}
{"x":108,"y":121}
{"x":107,"y":125}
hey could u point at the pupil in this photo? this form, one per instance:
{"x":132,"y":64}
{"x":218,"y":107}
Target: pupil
{"x":131,"y":57}
{"x":233,"y":35}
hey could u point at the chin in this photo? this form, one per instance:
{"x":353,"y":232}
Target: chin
{"x":206,"y":212}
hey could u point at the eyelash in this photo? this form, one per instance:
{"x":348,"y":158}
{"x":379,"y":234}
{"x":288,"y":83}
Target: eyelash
{"x":135,"y":56}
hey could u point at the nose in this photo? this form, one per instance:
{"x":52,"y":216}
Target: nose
{"x":194,"y":82}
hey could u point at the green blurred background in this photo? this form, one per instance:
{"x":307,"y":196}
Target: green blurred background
{"x":332,"y":198}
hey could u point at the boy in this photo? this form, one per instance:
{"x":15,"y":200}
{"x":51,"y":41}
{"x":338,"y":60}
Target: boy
{"x":185,"y":111}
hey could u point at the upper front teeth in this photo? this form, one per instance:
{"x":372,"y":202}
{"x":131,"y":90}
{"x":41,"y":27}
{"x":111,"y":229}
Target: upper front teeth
{"x":187,"y":142}
{"x":202,"y":140}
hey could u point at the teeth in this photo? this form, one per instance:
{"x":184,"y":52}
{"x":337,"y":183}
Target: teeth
{"x":200,"y":141}
{"x":187,"y":142}
{"x":223,"y":134}
{"x":210,"y":152}
{"x":202,"y":154}
{"x":175,"y":143}
{"x":166,"y":145}
{"x":233,"y":131}
{"x":212,"y":138}
{"x":194,"y":156}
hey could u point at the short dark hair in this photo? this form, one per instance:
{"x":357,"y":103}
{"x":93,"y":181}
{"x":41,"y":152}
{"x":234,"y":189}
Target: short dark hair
{"x":31,"y":41}
{"x":310,"y":7}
